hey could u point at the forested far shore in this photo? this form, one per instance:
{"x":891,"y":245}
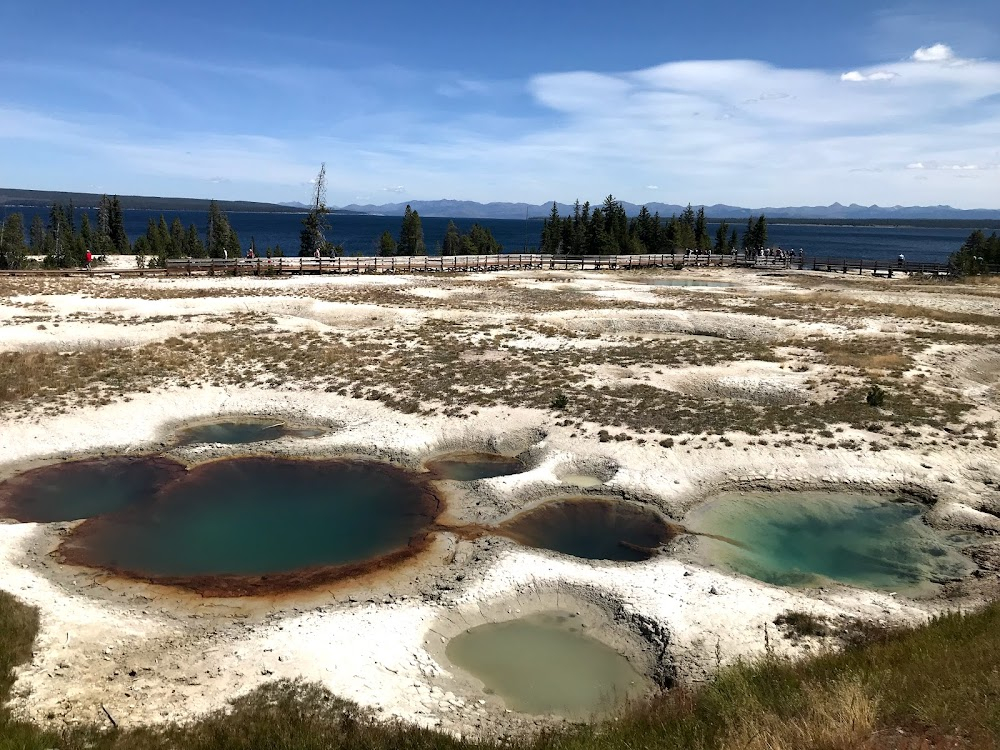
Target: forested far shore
{"x":607,"y":230}
{"x":65,"y":237}
{"x":61,"y":236}
{"x":16,"y":198}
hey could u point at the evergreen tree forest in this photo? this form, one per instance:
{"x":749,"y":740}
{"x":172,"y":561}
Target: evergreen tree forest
{"x":606,"y":230}
{"x":479,"y":240}
{"x":977,"y":255}
{"x":67,"y":234}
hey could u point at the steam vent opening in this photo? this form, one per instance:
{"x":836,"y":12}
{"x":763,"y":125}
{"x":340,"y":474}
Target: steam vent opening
{"x":252,"y":525}
{"x":592,"y":528}
{"x":546,"y":664}
{"x":468,"y":467}
{"x":806,"y":538}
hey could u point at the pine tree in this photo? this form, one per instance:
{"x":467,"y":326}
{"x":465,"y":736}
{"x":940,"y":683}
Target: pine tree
{"x":116,"y":228}
{"x":153,"y":239}
{"x":615,"y":226}
{"x":166,"y":244}
{"x":193,"y":245}
{"x":315,"y":225}
{"x":386,"y":245}
{"x":12,"y":247}
{"x":684,"y":237}
{"x":37,"y":235}
{"x":670,"y":234}
{"x":87,"y":240}
{"x":221,"y":238}
{"x":551,"y":232}
{"x":484,"y":241}
{"x":60,"y":239}
{"x":760,"y":234}
{"x":733,"y":241}
{"x":976,"y":254}
{"x":452,"y":240}
{"x":232,"y":243}
{"x":721,"y":237}
{"x":411,"y":234}
{"x":701,"y":238}
{"x":646,"y":230}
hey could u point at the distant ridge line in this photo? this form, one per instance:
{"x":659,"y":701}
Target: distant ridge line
{"x":501,"y":210}
{"x":11,"y":198}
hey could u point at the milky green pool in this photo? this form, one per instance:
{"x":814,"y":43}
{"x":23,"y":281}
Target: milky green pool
{"x":546,"y":664}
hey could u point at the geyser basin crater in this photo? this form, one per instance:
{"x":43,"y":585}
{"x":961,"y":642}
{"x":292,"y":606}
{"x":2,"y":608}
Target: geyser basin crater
{"x":257,"y":525}
{"x":561,"y":651}
{"x":808,"y":538}
{"x":241,"y":431}
{"x":470,"y":466}
{"x":592,"y":528}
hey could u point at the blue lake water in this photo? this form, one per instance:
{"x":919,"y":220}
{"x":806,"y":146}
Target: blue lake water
{"x":360,"y":234}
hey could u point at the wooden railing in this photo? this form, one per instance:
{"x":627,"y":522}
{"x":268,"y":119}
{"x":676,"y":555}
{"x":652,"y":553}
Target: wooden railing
{"x":503,"y":262}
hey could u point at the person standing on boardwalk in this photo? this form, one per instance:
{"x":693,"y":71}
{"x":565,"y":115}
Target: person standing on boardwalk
{"x":90,"y":258}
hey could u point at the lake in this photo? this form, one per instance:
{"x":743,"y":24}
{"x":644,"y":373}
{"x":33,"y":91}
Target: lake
{"x":359,"y":234}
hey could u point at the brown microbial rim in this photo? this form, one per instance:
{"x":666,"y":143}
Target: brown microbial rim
{"x":271,"y":584}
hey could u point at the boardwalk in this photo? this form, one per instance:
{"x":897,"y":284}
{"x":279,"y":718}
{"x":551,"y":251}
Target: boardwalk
{"x":487,"y":263}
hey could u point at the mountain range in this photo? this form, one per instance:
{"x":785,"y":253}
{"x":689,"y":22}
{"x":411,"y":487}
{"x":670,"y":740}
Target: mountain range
{"x":836,"y":211}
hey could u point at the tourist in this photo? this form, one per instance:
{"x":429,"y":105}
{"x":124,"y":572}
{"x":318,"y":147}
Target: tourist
{"x":89,"y":259}
{"x":900,"y":260}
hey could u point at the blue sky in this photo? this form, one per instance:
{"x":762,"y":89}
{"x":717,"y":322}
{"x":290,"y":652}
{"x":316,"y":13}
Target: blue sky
{"x":719,"y":101}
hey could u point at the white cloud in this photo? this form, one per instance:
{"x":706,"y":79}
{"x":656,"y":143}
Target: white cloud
{"x":856,"y":76}
{"x":934,"y":53}
{"x":916,"y":165}
{"x":652,"y":187}
{"x":394,"y":189}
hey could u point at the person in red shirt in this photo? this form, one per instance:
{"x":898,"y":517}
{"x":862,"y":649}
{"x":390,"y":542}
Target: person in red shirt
{"x":89,"y":259}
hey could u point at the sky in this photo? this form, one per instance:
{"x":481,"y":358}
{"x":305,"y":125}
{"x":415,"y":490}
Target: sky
{"x":770,"y":103}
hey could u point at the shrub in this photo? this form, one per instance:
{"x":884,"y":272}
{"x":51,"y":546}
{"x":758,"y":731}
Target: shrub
{"x":875,"y":397}
{"x":802,"y":624}
{"x":559,"y":401}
